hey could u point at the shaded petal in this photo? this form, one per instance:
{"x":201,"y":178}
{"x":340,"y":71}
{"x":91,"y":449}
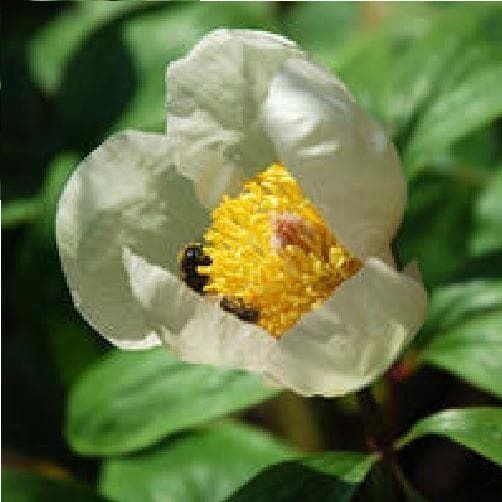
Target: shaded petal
{"x":215,"y":100}
{"x":195,"y":329}
{"x":167,"y":303}
{"x":343,"y":160}
{"x":216,"y":337}
{"x":354,"y":336}
{"x":127,"y":193}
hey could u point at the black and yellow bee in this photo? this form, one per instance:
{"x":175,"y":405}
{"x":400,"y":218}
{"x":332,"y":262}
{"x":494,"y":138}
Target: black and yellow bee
{"x":189,"y":259}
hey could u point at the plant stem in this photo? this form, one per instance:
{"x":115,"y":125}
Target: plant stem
{"x":406,"y":487}
{"x":380,"y":440}
{"x":377,"y":435}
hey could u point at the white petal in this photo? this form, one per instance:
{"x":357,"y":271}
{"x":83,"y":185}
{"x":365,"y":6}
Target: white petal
{"x":195,"y":329}
{"x":242,"y":99}
{"x":167,"y":302}
{"x":216,"y":337}
{"x":215,"y":101}
{"x":126,"y":193}
{"x":343,"y":160}
{"x":354,"y":336}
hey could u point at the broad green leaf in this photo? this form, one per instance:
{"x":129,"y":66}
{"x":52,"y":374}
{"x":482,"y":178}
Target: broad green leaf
{"x":320,"y":27}
{"x":366,"y":63}
{"x":332,"y":476}
{"x":453,"y":304}
{"x":206,"y":465}
{"x":22,"y":486}
{"x":130,"y":400}
{"x":488,"y":218}
{"x":418,"y":71}
{"x":471,"y":350}
{"x":479,"y":429}
{"x":19,"y":212}
{"x":475,"y":101}
{"x":477,"y":55}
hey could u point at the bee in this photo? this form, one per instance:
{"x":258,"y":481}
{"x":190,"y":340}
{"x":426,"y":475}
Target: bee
{"x":189,"y":259}
{"x":240,"y":310}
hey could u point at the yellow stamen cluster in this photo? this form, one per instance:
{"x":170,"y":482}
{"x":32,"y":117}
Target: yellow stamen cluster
{"x":270,"y":248}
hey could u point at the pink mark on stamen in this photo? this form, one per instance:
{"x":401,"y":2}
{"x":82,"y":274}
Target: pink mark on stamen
{"x":290,"y":229}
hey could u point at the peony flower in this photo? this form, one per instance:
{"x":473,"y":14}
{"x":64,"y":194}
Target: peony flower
{"x":294,"y":195}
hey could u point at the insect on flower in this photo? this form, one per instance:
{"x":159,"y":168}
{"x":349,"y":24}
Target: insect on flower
{"x":190,"y":258}
{"x":256,"y":233}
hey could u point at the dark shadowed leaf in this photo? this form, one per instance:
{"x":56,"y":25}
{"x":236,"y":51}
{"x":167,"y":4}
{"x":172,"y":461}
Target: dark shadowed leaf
{"x":488,"y":217}
{"x":438,"y":206}
{"x":107,"y":66}
{"x":479,"y":429}
{"x":130,"y":400}
{"x":20,"y":486}
{"x":41,"y":209}
{"x":73,"y":348}
{"x":206,"y":465}
{"x":51,"y":48}
{"x":332,"y":476}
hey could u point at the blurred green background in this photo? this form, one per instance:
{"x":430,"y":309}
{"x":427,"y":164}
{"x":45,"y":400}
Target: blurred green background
{"x":81,"y":421}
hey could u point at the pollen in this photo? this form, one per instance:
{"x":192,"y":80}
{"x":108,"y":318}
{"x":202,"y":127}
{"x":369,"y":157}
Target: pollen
{"x":271,"y":250}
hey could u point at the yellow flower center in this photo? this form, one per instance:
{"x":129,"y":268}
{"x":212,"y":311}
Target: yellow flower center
{"x":272,"y":251}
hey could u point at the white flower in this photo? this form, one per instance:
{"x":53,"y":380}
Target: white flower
{"x":239,"y":102}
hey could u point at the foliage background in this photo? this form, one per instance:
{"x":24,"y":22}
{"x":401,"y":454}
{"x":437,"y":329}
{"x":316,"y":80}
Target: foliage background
{"x":144,"y":427}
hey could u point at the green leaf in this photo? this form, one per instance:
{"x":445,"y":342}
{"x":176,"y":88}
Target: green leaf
{"x":488,"y":218}
{"x":130,"y":400}
{"x":431,"y":233}
{"x":455,"y":303}
{"x":19,"y":212}
{"x":471,"y":350}
{"x":479,"y":429}
{"x":320,"y":27}
{"x":418,"y":71}
{"x":73,"y":348}
{"x":332,"y":476}
{"x":110,"y":70}
{"x":366,"y":62}
{"x":20,"y":486}
{"x":41,"y":209}
{"x":206,"y":465}
{"x":53,"y":46}
{"x":475,"y":101}
{"x":363,"y":65}
{"x":58,"y":173}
